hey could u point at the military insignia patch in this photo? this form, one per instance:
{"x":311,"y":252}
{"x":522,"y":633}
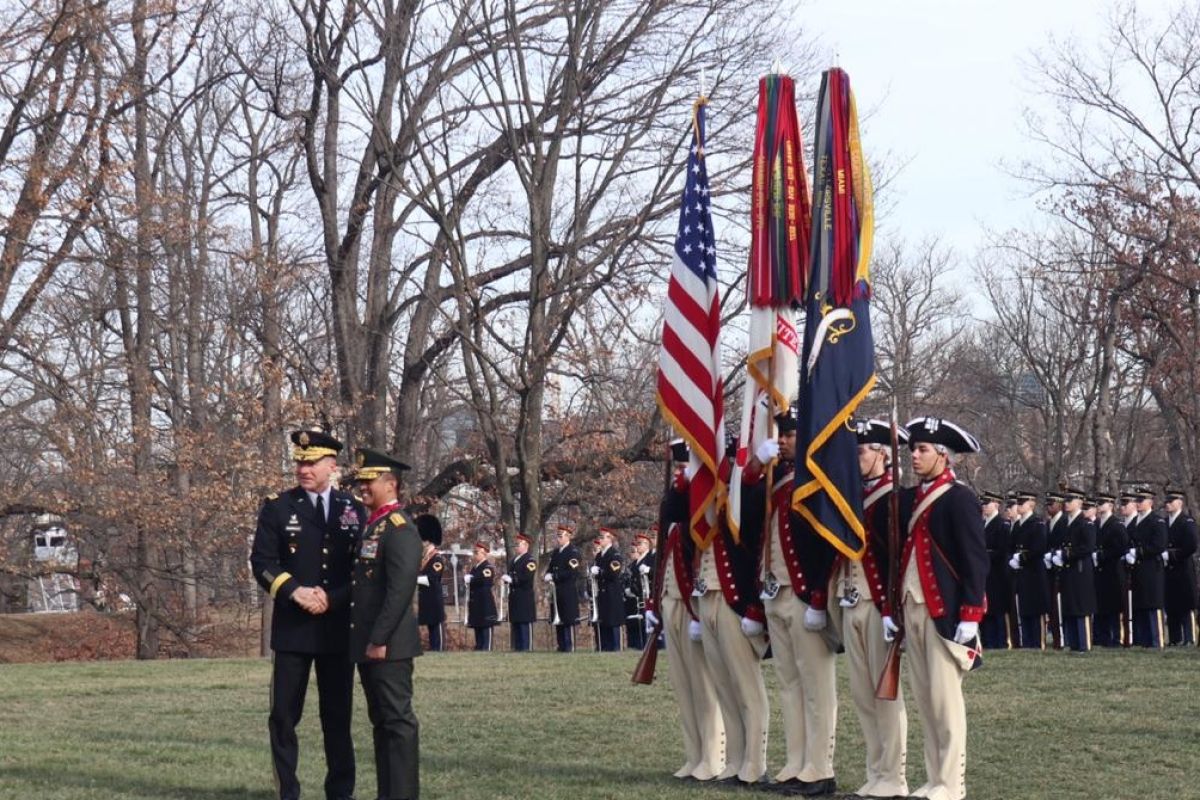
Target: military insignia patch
{"x":369,"y":549}
{"x":615,"y":566}
{"x":272,"y":496}
{"x":574,"y":562}
{"x":396,"y":518}
{"x":437,"y":566}
{"x":531,"y":566}
{"x":292,"y":548}
{"x":487,"y":573}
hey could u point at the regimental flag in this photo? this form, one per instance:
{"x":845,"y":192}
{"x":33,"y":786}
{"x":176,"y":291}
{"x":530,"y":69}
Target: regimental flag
{"x":690,"y":390}
{"x":780,"y":217}
{"x":837,"y":368}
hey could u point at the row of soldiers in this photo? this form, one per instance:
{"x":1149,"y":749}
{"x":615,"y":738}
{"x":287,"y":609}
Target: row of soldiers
{"x":1095,"y":569}
{"x":617,"y":591}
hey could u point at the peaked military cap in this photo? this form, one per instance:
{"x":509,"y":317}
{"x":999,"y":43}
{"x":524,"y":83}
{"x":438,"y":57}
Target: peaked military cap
{"x":643,"y":536}
{"x":990,"y":497}
{"x":313,"y":445}
{"x":372,"y":463}
{"x":1127,"y":496}
{"x":942,"y":432}
{"x":1172,"y":493}
{"x":1089,"y":502}
{"x":1055,"y":496}
{"x":878,"y":431}
{"x":429,"y":528}
{"x":1011,"y":499}
{"x":1024,"y":495}
{"x":1104,"y":497}
{"x":1143,"y":493}
{"x":1071,"y":493}
{"x":523,"y":538}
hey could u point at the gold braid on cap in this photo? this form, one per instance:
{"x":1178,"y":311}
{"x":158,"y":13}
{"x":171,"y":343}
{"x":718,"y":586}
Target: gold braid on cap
{"x":312,"y":453}
{"x":371,"y":473}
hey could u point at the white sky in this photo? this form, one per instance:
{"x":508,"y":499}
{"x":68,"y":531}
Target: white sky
{"x":942,"y":84}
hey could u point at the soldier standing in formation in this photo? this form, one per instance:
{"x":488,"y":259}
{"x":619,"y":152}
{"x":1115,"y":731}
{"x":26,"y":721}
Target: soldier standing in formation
{"x":563,"y":575}
{"x":641,"y":567}
{"x":1031,"y":595}
{"x":1180,"y":572}
{"x":1110,"y":576}
{"x":997,"y":533}
{"x":481,"y":603}
{"x":302,"y":555}
{"x":431,"y":607}
{"x":1073,"y":559}
{"x":384,"y":636}
{"x":1147,"y":548}
{"x":522,"y":605}
{"x":610,"y":596}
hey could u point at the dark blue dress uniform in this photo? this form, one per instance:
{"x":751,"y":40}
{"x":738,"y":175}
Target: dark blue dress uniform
{"x":481,"y":604}
{"x":385,"y":579}
{"x":564,"y":569}
{"x":295,"y":547}
{"x":1112,"y":542}
{"x":522,"y":602}
{"x":1077,"y":581}
{"x":995,"y":631}
{"x":635,"y":600}
{"x":431,"y":605}
{"x":1031,"y":594}
{"x":1056,"y":532}
{"x":1148,"y":540}
{"x":1181,"y":580}
{"x":610,"y":602}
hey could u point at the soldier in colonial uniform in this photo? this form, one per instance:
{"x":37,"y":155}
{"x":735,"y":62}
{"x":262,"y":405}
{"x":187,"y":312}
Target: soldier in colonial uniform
{"x":1180,"y":573}
{"x":384,"y":635}
{"x":610,"y":603}
{"x":699,"y":711}
{"x":522,"y":605}
{"x":857,"y":616}
{"x":1031,"y":589}
{"x":302,"y":555}
{"x":1073,"y":560}
{"x":481,"y":603}
{"x":1111,"y":577}
{"x":563,"y":576}
{"x":431,"y":606}
{"x":997,"y":533}
{"x":943,"y":583}
{"x":1147,"y":548}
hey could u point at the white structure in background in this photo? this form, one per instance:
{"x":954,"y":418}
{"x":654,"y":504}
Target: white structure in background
{"x":53,"y":591}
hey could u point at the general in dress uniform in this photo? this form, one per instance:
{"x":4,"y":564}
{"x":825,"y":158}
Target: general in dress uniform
{"x":563,"y":576}
{"x":481,"y":603}
{"x":1073,"y":560}
{"x":384,"y":633}
{"x":610,"y":596}
{"x":302,"y":555}
{"x":522,"y":604}
{"x":1031,"y":586}
{"x":943,"y":583}
{"x":995,"y":632}
{"x":431,"y":606}
{"x":1147,"y":548}
{"x":1111,"y":577}
{"x":1180,"y":576}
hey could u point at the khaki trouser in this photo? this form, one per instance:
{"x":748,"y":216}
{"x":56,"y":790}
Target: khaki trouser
{"x":808,"y":691}
{"x":884,"y":722}
{"x":734,"y":665}
{"x":699,"y":714}
{"x":935,"y":672}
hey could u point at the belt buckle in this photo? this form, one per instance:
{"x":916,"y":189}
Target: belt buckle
{"x":701,"y":588}
{"x":850,"y":596}
{"x":770,"y":587}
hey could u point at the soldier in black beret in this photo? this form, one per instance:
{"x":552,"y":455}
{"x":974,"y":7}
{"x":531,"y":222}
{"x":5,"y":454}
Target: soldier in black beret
{"x":384,"y":637}
{"x":1181,"y":575}
{"x":302,"y":554}
{"x":482,"y":615}
{"x":562,"y":574}
{"x":431,"y":606}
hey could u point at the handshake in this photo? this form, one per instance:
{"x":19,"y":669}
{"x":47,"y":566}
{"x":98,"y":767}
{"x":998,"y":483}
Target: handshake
{"x":312,"y":599}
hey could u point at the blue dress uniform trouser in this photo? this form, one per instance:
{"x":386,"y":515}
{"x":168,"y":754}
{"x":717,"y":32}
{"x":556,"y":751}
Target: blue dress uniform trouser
{"x":521,"y":636}
{"x":335,"y":693}
{"x":1148,"y":627}
{"x":1077,"y":633}
{"x":1033,"y":631}
{"x":388,"y":687}
{"x":564,"y":636}
{"x":1181,"y":627}
{"x":1107,"y":630}
{"x":435,"y":637}
{"x":483,"y":639}
{"x":635,"y":633}
{"x":993,"y":632}
{"x":610,"y":638}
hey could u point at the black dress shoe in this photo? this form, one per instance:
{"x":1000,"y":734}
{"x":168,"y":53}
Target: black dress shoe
{"x":818,"y":788}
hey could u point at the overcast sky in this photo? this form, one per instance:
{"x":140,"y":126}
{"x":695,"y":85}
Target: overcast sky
{"x":944,"y":83}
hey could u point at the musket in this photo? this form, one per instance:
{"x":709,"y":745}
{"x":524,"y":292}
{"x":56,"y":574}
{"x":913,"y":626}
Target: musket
{"x":643,"y":673}
{"x":888,"y":686}
{"x":503,"y":600}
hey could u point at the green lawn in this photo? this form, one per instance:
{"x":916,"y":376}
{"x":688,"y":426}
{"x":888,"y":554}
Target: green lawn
{"x":1042,"y":725}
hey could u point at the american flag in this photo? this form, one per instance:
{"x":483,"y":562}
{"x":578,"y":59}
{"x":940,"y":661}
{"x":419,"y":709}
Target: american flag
{"x":690,"y":390}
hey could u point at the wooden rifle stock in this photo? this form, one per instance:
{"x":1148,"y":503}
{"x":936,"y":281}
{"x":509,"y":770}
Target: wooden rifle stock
{"x":643,"y":673}
{"x":888,"y":686}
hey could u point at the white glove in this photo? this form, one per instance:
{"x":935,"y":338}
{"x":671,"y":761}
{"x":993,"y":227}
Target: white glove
{"x":814,"y":619}
{"x":1015,"y":561}
{"x":890,"y":628}
{"x":644,"y":569}
{"x":422,"y":580}
{"x":1057,"y":558}
{"x":467,"y":579}
{"x":751,"y":627}
{"x":966,"y":632}
{"x":695,"y":630}
{"x":594,"y":569}
{"x":1165,"y":557}
{"x":1048,"y":559}
{"x":548,"y":578}
{"x":506,"y":578}
{"x":767,"y":451}
{"x":1131,"y":557}
{"x":1095,"y":559}
{"x":651,"y":620}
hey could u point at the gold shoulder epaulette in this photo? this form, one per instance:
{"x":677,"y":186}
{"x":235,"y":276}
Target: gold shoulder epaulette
{"x":396,"y":518}
{"x":272,"y":496}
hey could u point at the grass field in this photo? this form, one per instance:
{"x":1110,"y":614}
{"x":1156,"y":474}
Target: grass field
{"x":1042,"y":725}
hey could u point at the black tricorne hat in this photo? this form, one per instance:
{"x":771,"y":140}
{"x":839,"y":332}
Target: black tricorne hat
{"x":679,"y":451}
{"x":943,"y":432}
{"x":878,"y":431}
